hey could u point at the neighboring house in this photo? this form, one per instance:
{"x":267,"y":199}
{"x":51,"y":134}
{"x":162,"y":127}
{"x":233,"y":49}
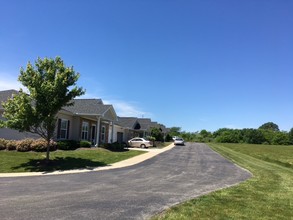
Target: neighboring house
{"x":126,"y":128}
{"x":86,"y":119}
{"x":129,"y":127}
{"x":8,"y":133}
{"x":4,"y":96}
{"x":145,"y":126}
{"x":11,"y":134}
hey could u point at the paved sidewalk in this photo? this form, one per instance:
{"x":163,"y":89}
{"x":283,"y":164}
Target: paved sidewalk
{"x":124,"y":163}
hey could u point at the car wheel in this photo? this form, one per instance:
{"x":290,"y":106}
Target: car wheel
{"x":142,"y":146}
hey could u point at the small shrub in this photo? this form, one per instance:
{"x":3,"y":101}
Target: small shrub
{"x":85,"y":144}
{"x":40,"y":145}
{"x":114,"y":146}
{"x":11,"y":145}
{"x":24,"y":145}
{"x":68,"y":145}
{"x":53,"y":145}
{"x":3,"y":144}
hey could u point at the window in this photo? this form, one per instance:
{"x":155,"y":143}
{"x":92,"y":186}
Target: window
{"x":84,"y":130}
{"x":103,"y":134}
{"x":63,"y":129}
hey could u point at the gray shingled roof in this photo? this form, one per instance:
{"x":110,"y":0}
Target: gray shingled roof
{"x":87,"y":106}
{"x":145,"y":123}
{"x":5,"y":95}
{"x":127,"y":122}
{"x":81,"y":106}
{"x":154,"y":124}
{"x":11,"y":134}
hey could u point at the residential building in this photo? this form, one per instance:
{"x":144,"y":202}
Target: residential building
{"x":86,"y":119}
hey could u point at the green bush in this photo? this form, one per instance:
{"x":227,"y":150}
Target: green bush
{"x":168,"y":138}
{"x":68,"y":145}
{"x":40,"y":145}
{"x":114,"y":146}
{"x":11,"y":145}
{"x":85,"y":144}
{"x":24,"y":145}
{"x":2,"y":144}
{"x":281,"y":138}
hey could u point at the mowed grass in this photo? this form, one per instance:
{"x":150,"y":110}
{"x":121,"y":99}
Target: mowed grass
{"x":163,"y":144}
{"x":12,"y":161}
{"x":267,"y":195}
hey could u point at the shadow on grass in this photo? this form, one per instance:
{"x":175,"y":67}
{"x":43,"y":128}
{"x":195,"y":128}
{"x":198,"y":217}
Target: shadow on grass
{"x":60,"y":164}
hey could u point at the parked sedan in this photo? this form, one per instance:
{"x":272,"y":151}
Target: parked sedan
{"x":139,"y":142}
{"x":178,"y":141}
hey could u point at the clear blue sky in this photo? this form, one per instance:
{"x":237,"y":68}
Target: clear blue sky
{"x":193,"y":64}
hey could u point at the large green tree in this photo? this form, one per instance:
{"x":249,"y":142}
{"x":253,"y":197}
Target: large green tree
{"x":51,"y":85}
{"x":270,"y":126}
{"x":175,"y":131}
{"x":157,"y":134}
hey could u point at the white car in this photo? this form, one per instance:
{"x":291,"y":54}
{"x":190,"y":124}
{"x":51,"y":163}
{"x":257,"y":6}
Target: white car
{"x":178,"y":141}
{"x":139,"y":142}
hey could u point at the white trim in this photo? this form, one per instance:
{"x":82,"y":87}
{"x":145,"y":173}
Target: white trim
{"x":65,"y":121}
{"x":112,"y":135}
{"x":84,"y":132}
{"x":98,"y":132}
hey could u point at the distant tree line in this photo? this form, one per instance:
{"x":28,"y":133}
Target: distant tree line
{"x":268,"y":133}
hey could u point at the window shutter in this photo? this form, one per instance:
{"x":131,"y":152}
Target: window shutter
{"x":58,"y":128}
{"x":68,"y":126}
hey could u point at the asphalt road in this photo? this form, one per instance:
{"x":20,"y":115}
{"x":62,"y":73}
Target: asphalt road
{"x":135,"y":192}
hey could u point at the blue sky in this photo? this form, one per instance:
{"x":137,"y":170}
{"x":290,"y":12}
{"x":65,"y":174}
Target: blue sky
{"x":192,"y":64}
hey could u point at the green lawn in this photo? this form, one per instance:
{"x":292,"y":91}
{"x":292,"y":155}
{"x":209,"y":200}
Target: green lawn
{"x":267,"y":195}
{"x":12,"y":161}
{"x":163,"y":144}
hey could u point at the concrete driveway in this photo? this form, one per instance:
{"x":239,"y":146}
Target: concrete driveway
{"x":135,"y":192}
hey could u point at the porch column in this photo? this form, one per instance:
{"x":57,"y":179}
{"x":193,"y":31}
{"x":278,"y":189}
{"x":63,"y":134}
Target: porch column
{"x":112,"y":134}
{"x":98,"y":132}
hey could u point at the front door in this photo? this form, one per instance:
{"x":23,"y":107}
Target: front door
{"x":93,"y":135}
{"x":120,"y":137}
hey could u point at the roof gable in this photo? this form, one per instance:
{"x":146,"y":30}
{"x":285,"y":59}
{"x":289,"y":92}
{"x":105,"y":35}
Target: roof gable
{"x":127,"y":122}
{"x":110,"y":113}
{"x":91,"y":107}
{"x":145,"y":123}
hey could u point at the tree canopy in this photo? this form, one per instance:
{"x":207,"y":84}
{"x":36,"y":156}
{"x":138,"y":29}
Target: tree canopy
{"x":270,"y":126}
{"x":157,"y":134}
{"x":175,"y":131}
{"x":51,"y":86}
{"x":268,"y":133}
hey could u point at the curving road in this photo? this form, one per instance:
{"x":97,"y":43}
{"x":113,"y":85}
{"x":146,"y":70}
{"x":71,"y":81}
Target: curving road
{"x":135,"y":192}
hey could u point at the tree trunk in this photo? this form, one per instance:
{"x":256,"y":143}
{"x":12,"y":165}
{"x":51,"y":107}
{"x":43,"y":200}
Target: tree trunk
{"x":48,"y":152}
